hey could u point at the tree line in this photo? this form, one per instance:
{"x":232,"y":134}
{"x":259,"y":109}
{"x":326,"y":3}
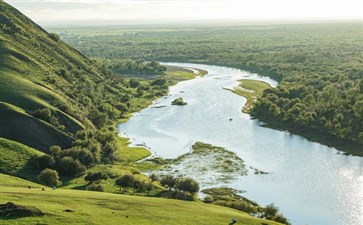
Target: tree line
{"x":319,"y":67}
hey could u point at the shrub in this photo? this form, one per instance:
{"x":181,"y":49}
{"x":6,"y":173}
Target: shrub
{"x":188,"y":185}
{"x":125,"y":181}
{"x":49,"y":177}
{"x":45,"y":161}
{"x":148,"y":187}
{"x":168,"y":181}
{"x":138,"y":184}
{"x":43,"y":114}
{"x":271,"y":211}
{"x":109,"y":151}
{"x":153,"y":177}
{"x":92,"y":177}
{"x":208,"y":199}
{"x":70,"y":167}
{"x":178,"y":101}
{"x":281,"y":219}
{"x":95,"y":187}
{"x":55,"y":151}
{"x":55,"y":37}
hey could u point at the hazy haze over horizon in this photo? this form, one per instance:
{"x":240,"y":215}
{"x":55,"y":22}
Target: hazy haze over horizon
{"x":78,"y":12}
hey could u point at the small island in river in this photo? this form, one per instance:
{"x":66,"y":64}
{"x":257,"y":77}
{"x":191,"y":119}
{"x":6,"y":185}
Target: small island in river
{"x":178,"y":101}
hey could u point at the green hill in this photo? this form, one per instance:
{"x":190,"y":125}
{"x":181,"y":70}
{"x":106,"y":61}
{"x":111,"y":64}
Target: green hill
{"x":85,"y":207}
{"x":14,"y":159}
{"x":30,"y":59}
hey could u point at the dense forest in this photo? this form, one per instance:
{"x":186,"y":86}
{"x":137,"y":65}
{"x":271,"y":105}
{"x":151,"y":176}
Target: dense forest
{"x":131,"y":67}
{"x":319,"y":67}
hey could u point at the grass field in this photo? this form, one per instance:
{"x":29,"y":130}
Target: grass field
{"x":131,"y":154}
{"x":104,"y":208}
{"x":251,"y":90}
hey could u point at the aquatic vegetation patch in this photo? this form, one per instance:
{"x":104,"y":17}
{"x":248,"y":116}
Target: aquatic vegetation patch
{"x":208,"y":164}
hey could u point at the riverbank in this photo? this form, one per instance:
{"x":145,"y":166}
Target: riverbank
{"x":251,"y":90}
{"x":314,"y":135}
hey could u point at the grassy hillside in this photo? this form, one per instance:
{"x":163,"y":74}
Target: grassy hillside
{"x":18,"y":125}
{"x":103,"y":208}
{"x":14,"y":159}
{"x":30,"y":61}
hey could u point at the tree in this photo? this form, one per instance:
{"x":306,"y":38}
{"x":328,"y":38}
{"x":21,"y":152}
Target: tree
{"x":271,"y":211}
{"x":109,"y":151}
{"x":154,"y":177}
{"x":168,"y":181}
{"x":158,"y":82}
{"x":85,"y":157}
{"x":125,"y":181}
{"x":70,"y":167}
{"x":45,"y":161}
{"x":134,"y":83}
{"x":188,"y":185}
{"x":95,"y":187}
{"x":138,"y":184}
{"x":149,"y":187}
{"x":49,"y":177}
{"x":55,"y":151}
{"x":95,"y":177}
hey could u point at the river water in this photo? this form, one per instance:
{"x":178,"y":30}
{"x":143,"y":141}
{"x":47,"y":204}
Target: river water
{"x":310,"y":183}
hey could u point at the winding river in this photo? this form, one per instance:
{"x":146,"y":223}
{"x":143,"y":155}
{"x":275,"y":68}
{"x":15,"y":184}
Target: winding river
{"x":310,"y":183}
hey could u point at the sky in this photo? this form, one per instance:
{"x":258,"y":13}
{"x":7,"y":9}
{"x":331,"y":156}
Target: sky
{"x":69,"y":12}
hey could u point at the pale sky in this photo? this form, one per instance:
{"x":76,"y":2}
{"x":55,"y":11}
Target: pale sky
{"x":81,"y":11}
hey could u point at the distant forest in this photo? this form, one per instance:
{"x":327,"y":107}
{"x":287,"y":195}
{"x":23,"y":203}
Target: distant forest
{"x":319,"y":67}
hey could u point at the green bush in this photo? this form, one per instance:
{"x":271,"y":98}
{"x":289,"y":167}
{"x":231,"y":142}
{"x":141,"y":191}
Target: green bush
{"x":95,"y":187}
{"x":49,"y":177}
{"x":55,"y":37}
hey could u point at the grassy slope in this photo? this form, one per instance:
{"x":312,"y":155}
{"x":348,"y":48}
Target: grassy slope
{"x":14,"y":159}
{"x":29,"y":61}
{"x":105,"y":208}
{"x":251,"y":90}
{"x":17,"y":125}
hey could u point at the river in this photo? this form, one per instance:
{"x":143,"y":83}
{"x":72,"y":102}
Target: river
{"x":310,"y":183}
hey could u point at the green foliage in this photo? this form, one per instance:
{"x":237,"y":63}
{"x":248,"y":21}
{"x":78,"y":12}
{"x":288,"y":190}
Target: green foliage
{"x":95,"y":187}
{"x":318,"y":64}
{"x":95,"y":177}
{"x":168,"y":181}
{"x":49,"y":177}
{"x":178,"y":101}
{"x":44,"y":161}
{"x":129,"y":66}
{"x":125,"y":181}
{"x":187,"y":185}
{"x":69,"y":167}
{"x":55,"y":37}
{"x":271,"y":212}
